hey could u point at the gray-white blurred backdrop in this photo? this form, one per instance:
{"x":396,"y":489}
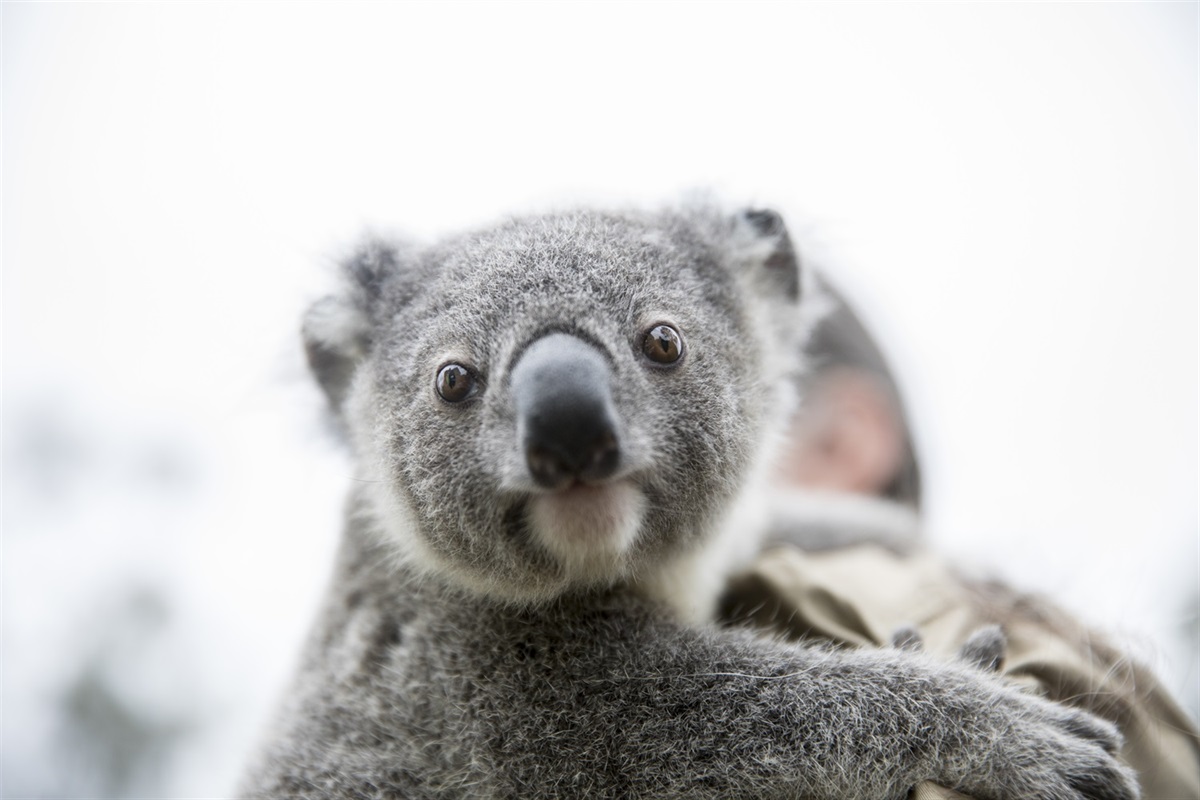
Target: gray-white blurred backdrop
{"x":1007,"y":191}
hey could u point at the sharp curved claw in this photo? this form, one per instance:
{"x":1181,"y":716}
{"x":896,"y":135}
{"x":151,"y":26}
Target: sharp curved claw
{"x":907,"y":637}
{"x":985,"y":649}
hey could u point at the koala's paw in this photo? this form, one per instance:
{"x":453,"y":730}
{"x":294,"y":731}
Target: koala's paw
{"x":1045,"y":750}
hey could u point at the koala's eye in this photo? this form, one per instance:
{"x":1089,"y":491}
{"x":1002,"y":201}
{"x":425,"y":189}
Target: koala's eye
{"x":455,"y":383}
{"x":662,"y":344}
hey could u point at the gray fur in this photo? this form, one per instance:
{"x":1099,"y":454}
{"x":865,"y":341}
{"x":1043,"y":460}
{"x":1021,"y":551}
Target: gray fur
{"x":464,"y":651}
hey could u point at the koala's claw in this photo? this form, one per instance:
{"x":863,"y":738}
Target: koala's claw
{"x":907,"y":637}
{"x":1107,"y":781}
{"x":985,"y":649}
{"x":1086,"y":726}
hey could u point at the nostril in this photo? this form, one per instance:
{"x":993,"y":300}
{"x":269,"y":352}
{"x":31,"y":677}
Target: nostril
{"x":603,"y":458}
{"x":547,"y":467}
{"x":553,"y":467}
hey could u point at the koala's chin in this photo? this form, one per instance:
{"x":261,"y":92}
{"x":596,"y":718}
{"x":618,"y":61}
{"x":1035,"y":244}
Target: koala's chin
{"x":589,"y":529}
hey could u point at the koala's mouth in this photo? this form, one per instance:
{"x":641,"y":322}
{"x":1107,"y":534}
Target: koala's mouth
{"x":588,"y":527}
{"x":581,"y":494}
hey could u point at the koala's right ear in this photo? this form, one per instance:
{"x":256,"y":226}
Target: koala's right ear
{"x":760,"y":242}
{"x":337,"y":329}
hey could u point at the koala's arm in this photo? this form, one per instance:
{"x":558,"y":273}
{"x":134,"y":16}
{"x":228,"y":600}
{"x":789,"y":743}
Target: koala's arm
{"x":611,"y":700}
{"x":681,"y":712}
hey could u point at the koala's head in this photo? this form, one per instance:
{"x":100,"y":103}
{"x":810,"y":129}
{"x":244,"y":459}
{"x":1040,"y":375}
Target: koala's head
{"x":563,"y":401}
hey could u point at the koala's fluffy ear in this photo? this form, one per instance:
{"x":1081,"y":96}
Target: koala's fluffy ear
{"x":761,"y":241}
{"x":337,"y":329}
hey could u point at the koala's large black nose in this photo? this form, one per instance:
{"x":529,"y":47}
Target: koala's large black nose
{"x":566,"y":422}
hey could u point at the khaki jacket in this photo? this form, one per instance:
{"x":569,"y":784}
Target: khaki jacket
{"x":860,"y":595}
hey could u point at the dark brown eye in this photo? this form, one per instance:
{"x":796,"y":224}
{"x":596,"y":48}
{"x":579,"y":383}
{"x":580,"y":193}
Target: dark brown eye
{"x":455,"y":383}
{"x":662,"y":344}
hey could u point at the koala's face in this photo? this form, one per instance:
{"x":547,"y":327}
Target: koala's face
{"x":563,"y":402}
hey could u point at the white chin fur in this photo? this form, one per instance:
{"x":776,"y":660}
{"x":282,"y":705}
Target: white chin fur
{"x":588,"y":529}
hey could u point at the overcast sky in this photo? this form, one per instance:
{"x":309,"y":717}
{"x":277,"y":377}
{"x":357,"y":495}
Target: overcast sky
{"x":1007,"y":191}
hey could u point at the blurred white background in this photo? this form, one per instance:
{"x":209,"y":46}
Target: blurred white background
{"x":1007,"y":191}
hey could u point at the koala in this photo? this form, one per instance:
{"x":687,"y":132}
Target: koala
{"x":563,"y":424}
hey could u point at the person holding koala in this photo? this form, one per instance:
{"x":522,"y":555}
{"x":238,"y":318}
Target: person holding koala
{"x":850,"y":444}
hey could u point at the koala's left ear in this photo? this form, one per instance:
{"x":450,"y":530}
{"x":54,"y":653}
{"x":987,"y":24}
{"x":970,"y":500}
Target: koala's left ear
{"x":335,"y":342}
{"x":337,"y":329}
{"x":762,"y":239}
